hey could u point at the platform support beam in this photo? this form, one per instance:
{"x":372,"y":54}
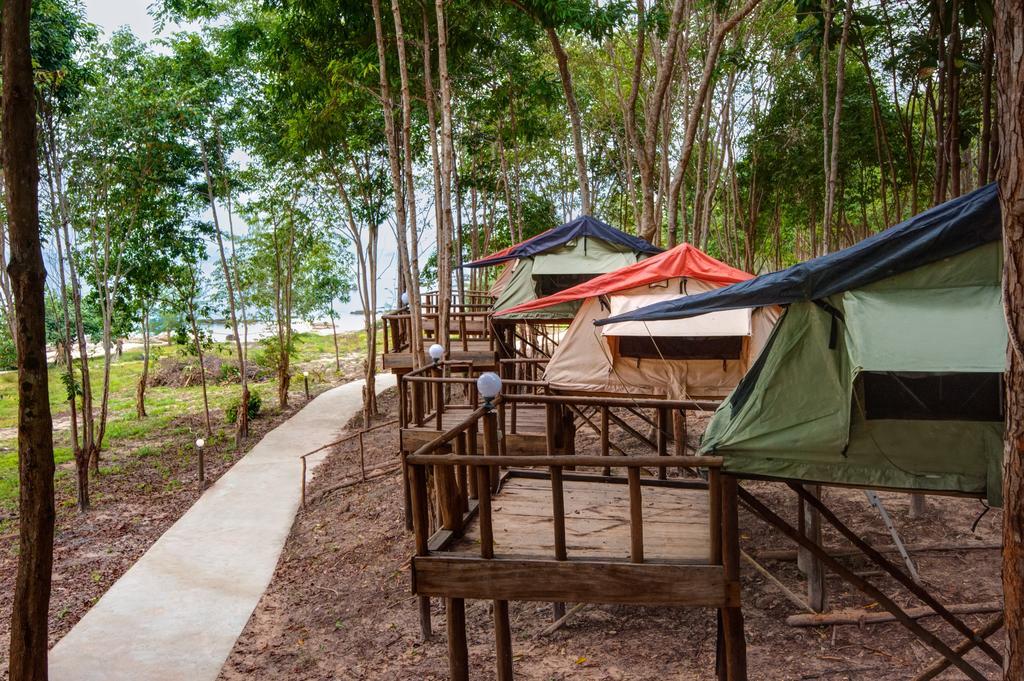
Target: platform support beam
{"x":733,"y":637}
{"x":458,"y":653}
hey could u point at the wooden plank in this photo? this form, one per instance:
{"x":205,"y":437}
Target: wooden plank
{"x":574,"y":581}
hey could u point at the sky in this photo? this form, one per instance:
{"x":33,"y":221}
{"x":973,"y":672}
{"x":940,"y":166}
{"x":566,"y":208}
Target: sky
{"x":111,"y":15}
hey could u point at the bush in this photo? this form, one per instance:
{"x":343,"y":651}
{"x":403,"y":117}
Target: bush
{"x":255,"y":403}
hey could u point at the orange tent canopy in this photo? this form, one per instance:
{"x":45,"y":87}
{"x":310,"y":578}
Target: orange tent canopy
{"x":682,"y":261}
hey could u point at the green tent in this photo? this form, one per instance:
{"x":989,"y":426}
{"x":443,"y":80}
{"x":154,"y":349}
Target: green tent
{"x":560,"y":258}
{"x":885,"y":370}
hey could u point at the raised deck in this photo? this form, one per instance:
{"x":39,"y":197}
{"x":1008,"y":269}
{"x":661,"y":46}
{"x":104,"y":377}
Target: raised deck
{"x":549,"y":527}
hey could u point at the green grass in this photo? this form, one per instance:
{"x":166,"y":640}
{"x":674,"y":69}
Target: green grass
{"x":167,"y":407}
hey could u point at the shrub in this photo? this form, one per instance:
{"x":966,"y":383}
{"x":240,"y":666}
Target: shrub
{"x":255,"y":403}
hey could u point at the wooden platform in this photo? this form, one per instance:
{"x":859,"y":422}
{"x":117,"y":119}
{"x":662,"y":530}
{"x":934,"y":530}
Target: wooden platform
{"x":678,"y":568}
{"x":596,"y":522}
{"x":478,"y":351}
{"x":528,"y":438}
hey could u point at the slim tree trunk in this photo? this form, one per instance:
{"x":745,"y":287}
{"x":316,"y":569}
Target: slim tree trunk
{"x":574,"y":118}
{"x":140,"y":390}
{"x":242,"y":430}
{"x":30,"y":607}
{"x":1009,"y":48}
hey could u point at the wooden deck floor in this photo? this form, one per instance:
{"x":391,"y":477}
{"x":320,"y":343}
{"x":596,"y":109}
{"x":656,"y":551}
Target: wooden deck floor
{"x":596,"y":522}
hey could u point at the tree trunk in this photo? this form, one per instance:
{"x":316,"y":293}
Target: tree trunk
{"x":1009,"y":48}
{"x":140,"y":390}
{"x":574,"y":119}
{"x":242,"y":423}
{"x":30,"y":608}
{"x":444,"y":243}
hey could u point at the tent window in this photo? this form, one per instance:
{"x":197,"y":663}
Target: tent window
{"x":933,"y":397}
{"x":550,"y":284}
{"x":672,"y":347}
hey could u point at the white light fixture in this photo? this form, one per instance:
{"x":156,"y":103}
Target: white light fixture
{"x":436,"y":352}
{"x":489,"y":385}
{"x":405,"y":298}
{"x":200,"y":442}
{"x":305,"y":374}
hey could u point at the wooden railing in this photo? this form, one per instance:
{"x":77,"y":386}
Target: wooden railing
{"x":465,"y":325}
{"x":425,"y":394}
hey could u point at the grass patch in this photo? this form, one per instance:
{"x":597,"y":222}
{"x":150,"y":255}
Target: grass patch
{"x":167,"y":408}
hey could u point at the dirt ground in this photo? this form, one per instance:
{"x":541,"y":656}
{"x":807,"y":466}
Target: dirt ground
{"x":134,"y":500}
{"x":339,"y":606}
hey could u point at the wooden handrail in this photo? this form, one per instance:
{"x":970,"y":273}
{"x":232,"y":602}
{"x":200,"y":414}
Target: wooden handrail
{"x":642,"y":402}
{"x":421,"y":456}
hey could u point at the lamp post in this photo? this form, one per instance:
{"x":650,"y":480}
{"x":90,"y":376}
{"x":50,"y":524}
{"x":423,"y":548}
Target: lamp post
{"x":200,"y":443}
{"x":305,"y":380}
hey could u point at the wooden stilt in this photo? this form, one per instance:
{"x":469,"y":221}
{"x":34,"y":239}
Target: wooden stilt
{"x":503,"y":641}
{"x":418,"y":481}
{"x":732,"y":617}
{"x":558,"y":515}
{"x":458,"y":653}
{"x":817,"y":596}
{"x":918,"y":506}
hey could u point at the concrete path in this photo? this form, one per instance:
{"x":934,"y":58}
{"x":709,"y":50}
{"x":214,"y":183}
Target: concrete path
{"x":176,"y":613}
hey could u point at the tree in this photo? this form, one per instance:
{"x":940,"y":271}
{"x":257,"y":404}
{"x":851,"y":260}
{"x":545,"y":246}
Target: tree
{"x":1009,"y":49}
{"x":29,"y":641}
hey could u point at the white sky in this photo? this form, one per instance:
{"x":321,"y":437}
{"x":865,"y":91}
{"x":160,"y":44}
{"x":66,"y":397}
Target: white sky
{"x":112,"y":14}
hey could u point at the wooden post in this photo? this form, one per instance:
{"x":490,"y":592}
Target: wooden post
{"x":458,"y":653}
{"x":502,"y":440}
{"x":418,"y":479}
{"x":471,"y":449}
{"x":483,"y":489}
{"x":460,"y":473}
{"x":491,"y":445}
{"x":715,"y":514}
{"x":417,"y":402}
{"x":406,"y":486}
{"x":549,"y":430}
{"x":679,"y":431}
{"x":605,"y":435}
{"x":817,"y":596}
{"x":918,"y":506}
{"x":439,"y":404}
{"x":558,"y":514}
{"x":503,"y":641}
{"x":732,"y":617}
{"x":636,"y":519}
{"x":662,"y":440}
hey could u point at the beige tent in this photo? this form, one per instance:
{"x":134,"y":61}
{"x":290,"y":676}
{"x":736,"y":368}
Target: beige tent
{"x":698,"y":358}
